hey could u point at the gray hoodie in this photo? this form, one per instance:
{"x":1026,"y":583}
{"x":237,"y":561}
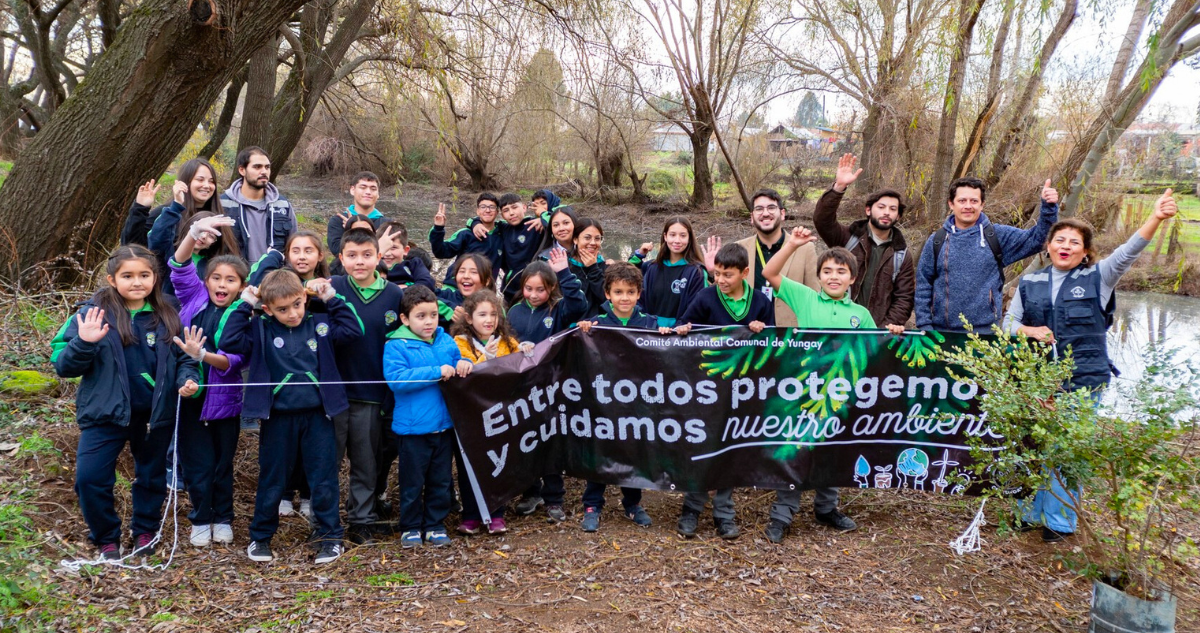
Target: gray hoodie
{"x":261,"y":224}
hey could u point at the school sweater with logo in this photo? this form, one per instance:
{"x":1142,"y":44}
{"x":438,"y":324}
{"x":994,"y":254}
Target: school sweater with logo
{"x":141,"y":359}
{"x":538,"y":324}
{"x":293,"y":364}
{"x":711,"y":307}
{"x":378,"y":308}
{"x":818,"y":310}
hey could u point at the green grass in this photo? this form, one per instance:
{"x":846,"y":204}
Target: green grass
{"x":5,"y":167}
{"x":398,"y":579}
{"x":1189,"y":209}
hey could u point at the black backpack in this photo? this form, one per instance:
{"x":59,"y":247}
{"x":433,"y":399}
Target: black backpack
{"x":897,"y":256}
{"x":989,"y":234}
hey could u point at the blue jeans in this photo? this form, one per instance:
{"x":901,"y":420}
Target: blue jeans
{"x":281,"y":436}
{"x":1045,"y":509}
{"x":426,"y":480}
{"x":96,"y":474}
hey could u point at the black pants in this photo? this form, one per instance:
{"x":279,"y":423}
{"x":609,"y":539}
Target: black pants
{"x":593,"y":496}
{"x":278,"y":439}
{"x":551,"y":488}
{"x":96,"y":474}
{"x":386,"y":457}
{"x":206,"y":450}
{"x":426,"y":480}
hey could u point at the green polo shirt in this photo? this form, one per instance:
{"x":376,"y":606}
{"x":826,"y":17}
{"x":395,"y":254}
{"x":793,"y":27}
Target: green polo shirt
{"x":370,"y":291}
{"x":737,"y":308}
{"x":818,"y":310}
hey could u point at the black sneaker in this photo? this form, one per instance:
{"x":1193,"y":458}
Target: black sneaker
{"x":836,"y":520}
{"x":688,"y":521}
{"x":329,"y":552}
{"x":110,"y":551}
{"x":726,"y":528}
{"x":383,"y":508}
{"x":1052,"y":536}
{"x":143,"y":545}
{"x":776,"y":530}
{"x":260,"y":552}
{"x":361,"y":534}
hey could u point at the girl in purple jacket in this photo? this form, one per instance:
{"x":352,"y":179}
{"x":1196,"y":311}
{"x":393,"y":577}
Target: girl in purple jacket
{"x":210,"y":421}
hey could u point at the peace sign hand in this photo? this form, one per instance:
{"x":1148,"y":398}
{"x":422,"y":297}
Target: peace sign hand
{"x":439,"y":219}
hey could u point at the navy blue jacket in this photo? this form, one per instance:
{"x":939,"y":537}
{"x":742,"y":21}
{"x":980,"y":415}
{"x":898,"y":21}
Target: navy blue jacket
{"x":462,"y":242}
{"x":637,"y":321}
{"x":379,"y":317}
{"x":689,"y":284}
{"x":1077,"y":318}
{"x":409,"y":272}
{"x":103,"y":395}
{"x":335,"y":229}
{"x":591,"y":281}
{"x":707,"y":309}
{"x":245,"y":333}
{"x":538,"y":324}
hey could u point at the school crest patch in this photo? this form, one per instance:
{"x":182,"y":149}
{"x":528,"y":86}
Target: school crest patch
{"x":322,"y":329}
{"x":521,"y":239}
{"x":389,"y":317}
{"x":1078,"y":292}
{"x":278,"y":342}
{"x":854,"y":321}
{"x":548,"y":322}
{"x":150,"y":339}
{"x":312,"y":344}
{"x":678,"y":285}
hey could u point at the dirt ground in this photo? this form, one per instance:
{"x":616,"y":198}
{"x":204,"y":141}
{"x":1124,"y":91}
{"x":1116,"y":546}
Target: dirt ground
{"x":895,"y":573}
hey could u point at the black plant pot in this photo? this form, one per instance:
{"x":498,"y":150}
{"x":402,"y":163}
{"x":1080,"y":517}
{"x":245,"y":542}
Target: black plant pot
{"x":1114,"y":611}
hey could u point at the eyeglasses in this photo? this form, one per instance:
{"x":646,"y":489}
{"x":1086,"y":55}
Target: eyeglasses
{"x":770,"y":209}
{"x":486,"y":207}
{"x":591,"y":239}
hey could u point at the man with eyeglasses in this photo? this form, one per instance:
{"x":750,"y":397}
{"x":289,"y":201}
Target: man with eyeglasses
{"x":887,"y":281}
{"x":766,"y":216}
{"x":487,"y":207}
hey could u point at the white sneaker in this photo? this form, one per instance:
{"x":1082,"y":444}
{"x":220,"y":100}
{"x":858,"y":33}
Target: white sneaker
{"x":306,"y":509}
{"x":201,"y":535}
{"x":222,"y":533}
{"x":286,"y":509}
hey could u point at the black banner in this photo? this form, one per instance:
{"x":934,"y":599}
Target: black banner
{"x":719,"y":408}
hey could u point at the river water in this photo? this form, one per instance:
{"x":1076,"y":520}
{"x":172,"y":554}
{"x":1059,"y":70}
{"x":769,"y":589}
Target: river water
{"x":1141,"y":319}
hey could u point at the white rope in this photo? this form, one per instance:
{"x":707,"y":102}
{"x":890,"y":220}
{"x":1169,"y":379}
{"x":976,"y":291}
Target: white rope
{"x":971,"y":540}
{"x":172,"y":500}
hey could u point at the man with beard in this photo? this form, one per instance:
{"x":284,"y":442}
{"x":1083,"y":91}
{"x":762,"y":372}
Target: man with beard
{"x":766,"y":216}
{"x":887,"y":277}
{"x":265,"y":219}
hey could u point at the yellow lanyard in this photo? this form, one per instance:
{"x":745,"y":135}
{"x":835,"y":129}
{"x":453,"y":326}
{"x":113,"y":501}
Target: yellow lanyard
{"x":762,"y":262}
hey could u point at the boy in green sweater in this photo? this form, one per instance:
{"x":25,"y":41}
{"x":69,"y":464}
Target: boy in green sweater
{"x":830,"y":308}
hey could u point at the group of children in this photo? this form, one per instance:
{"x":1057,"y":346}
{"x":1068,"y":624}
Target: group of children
{"x":342,"y":361}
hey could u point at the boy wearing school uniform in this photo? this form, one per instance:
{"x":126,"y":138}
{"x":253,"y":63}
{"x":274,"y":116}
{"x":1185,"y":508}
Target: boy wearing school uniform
{"x":520,"y":237}
{"x":397,"y":258}
{"x":829,"y":308}
{"x":464,"y":240}
{"x":729,"y":301}
{"x":292,"y":348}
{"x":622,"y":288}
{"x":359,"y":429}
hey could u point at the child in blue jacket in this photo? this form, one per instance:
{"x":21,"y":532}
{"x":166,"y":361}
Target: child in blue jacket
{"x":417,"y":356}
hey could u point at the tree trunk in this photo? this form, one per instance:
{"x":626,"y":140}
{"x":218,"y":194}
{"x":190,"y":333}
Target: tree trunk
{"x":1108,"y":126}
{"x":943,"y":157}
{"x":978,"y":138}
{"x":216,"y":136}
{"x":301,"y":91}
{"x":1018,"y":120}
{"x":260,"y":93}
{"x":702,"y":182}
{"x":1116,"y":77}
{"x":144,"y":96}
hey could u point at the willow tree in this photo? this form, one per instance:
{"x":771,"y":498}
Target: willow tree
{"x":142,"y":100}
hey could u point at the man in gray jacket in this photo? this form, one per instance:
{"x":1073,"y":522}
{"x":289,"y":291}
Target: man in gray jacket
{"x":265,"y":219}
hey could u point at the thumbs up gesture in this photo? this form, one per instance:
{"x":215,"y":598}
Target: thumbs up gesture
{"x":1049,"y":194}
{"x":1165,"y":207}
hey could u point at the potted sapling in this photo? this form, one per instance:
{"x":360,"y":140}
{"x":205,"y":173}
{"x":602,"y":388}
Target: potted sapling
{"x":1125,"y":462}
